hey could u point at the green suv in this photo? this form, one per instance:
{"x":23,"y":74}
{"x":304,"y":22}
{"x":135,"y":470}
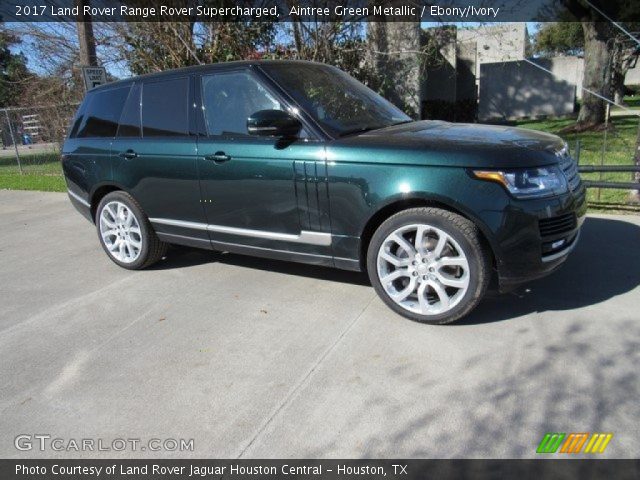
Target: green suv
{"x":298,"y":161}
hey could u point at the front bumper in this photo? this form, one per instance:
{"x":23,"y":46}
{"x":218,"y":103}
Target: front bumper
{"x":536,"y":237}
{"x":568,"y":246}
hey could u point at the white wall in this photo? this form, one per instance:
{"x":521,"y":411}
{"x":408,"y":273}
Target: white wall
{"x":511,"y":90}
{"x":568,"y":68}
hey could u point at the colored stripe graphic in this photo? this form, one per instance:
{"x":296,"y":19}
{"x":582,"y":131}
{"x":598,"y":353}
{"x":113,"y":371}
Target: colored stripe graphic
{"x":580,"y":442}
{"x":598,"y":443}
{"x":573,"y":442}
{"x":550,"y":442}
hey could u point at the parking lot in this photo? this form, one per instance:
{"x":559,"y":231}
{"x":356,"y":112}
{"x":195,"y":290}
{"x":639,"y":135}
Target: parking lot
{"x":256,"y":358}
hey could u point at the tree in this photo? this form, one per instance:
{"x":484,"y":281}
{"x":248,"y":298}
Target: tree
{"x":559,"y":38}
{"x":567,"y":38}
{"x":13,"y":71}
{"x":155,"y":46}
{"x":397,"y":58}
{"x":625,"y":52}
{"x":596,"y":78}
{"x":597,"y":73}
{"x":54,"y":52}
{"x":608,"y":54}
{"x":151,"y":46}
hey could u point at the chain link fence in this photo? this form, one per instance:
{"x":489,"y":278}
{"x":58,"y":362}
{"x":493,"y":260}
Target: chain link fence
{"x":31,"y":139}
{"x":606,"y":160}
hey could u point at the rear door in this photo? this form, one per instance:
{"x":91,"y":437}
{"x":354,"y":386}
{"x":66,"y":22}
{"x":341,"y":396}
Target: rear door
{"x":87,"y":151}
{"x":155,"y":158}
{"x":259,"y":192}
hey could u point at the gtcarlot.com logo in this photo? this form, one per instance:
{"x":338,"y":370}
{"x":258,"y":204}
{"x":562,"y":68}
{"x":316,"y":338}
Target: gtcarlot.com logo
{"x":574,"y":442}
{"x":44,"y":442}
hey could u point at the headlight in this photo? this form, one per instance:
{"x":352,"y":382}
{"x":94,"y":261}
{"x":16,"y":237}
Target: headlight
{"x":528,"y":182}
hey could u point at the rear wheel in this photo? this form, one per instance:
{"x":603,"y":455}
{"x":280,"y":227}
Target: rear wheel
{"x":125,"y":232}
{"x":429,"y":265}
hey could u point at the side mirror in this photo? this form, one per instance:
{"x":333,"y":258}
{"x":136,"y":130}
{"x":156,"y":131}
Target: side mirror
{"x":273,"y":123}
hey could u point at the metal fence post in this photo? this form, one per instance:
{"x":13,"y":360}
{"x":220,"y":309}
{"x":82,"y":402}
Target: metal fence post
{"x":15,"y":145}
{"x":634,"y":195}
{"x":604,"y":140}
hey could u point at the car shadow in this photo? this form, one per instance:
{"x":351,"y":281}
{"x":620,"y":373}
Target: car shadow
{"x":604,"y":264}
{"x":182,"y":257}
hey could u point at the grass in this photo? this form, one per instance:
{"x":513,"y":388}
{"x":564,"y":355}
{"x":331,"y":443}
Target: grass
{"x":43,"y":183}
{"x":632,"y":101}
{"x":41,"y":171}
{"x":618,"y":150}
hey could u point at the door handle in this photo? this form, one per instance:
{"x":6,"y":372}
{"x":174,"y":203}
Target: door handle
{"x":129,"y":154}
{"x":218,"y":157}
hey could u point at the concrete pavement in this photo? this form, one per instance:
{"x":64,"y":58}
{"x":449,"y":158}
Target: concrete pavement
{"x":254,"y":358}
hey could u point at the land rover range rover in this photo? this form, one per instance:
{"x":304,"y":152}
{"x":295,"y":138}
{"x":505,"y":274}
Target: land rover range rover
{"x":298,"y":161}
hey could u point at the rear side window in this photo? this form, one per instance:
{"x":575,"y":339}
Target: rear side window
{"x":130,"y":119}
{"x":165,"y":108}
{"x":102,"y":112}
{"x":79,"y":117}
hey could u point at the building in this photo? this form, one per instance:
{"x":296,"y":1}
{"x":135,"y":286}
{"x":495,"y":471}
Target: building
{"x":452,"y":84}
{"x":493,"y":43}
{"x":482,"y":73}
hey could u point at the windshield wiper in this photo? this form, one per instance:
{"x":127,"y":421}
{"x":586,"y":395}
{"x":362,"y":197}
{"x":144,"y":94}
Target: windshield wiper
{"x":401,"y":122}
{"x":368,"y":128}
{"x":353,"y":131}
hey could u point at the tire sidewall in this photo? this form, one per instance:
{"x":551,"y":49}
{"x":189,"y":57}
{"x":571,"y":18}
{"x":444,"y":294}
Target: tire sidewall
{"x":472,"y":252}
{"x":145,"y":228}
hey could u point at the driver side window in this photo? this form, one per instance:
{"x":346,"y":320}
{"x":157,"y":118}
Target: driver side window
{"x":230,"y":98}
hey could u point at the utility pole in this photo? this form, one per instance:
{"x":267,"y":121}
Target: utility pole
{"x":86,"y":39}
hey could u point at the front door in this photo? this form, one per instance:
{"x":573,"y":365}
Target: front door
{"x":258,"y":192}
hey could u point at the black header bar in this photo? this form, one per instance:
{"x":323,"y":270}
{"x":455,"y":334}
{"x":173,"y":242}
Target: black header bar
{"x":312,"y":10}
{"x":583,"y":469}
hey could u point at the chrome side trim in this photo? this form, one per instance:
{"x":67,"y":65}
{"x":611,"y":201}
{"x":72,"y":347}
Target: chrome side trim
{"x":562,"y":253}
{"x":305,"y":236}
{"x":261,"y":129}
{"x":311,"y":238}
{"x":79,"y":198}
{"x":179,"y":223}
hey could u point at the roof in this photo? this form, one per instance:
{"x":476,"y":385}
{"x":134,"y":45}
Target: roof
{"x":201,"y":68}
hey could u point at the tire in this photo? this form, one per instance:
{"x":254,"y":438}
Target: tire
{"x":449,"y":261}
{"x":125,"y":233}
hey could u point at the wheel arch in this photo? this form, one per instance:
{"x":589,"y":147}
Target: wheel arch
{"x":99,"y":192}
{"x":399,"y":204}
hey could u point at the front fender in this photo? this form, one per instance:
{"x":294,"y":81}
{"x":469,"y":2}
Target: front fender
{"x":366,"y":194}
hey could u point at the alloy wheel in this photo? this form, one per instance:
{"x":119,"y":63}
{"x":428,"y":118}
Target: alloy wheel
{"x":120,"y":232}
{"x":423,"y":269}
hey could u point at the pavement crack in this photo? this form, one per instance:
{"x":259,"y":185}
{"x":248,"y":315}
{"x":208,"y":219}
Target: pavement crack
{"x":304,"y":380}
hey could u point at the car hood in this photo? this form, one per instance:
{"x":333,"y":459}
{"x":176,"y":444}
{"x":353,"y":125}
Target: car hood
{"x":459,"y":144}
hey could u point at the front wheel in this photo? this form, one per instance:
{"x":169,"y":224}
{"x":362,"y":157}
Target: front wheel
{"x":429,"y":265}
{"x":125,"y":232}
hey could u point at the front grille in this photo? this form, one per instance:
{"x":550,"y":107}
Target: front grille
{"x":570,"y":169}
{"x":557,"y":225}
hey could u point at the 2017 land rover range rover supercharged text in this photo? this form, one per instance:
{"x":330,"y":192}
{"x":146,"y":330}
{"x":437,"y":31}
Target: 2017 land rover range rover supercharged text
{"x":298,"y":161}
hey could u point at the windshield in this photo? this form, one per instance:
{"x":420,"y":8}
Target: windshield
{"x":338,"y":102}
